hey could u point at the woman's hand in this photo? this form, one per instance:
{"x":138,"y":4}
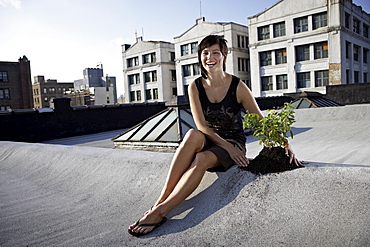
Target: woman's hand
{"x":237,"y":155}
{"x":292,"y":158}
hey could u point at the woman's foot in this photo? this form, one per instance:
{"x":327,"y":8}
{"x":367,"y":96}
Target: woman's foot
{"x":148,"y":223}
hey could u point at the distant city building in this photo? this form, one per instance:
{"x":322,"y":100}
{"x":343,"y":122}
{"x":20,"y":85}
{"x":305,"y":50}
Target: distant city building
{"x":15,"y":85}
{"x":45,"y":91}
{"x":149,"y":72}
{"x":102,"y":88}
{"x":186,"y":48}
{"x":300,"y":46}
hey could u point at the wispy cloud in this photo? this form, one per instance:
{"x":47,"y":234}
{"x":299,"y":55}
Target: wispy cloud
{"x":14,"y":3}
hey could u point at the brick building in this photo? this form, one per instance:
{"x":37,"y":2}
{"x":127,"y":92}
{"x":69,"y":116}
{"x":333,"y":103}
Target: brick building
{"x":45,"y":91}
{"x":15,"y":85}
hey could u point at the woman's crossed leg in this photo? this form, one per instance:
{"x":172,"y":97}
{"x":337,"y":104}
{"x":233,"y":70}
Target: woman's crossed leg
{"x":186,"y":172}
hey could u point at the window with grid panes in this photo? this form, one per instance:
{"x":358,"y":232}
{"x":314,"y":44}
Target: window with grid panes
{"x":279,"y":29}
{"x":3,"y":76}
{"x":356,"y":26}
{"x":265,"y":58}
{"x":280,"y":56}
{"x":319,"y":20}
{"x":321,"y":50}
{"x":263,"y":32}
{"x":303,"y":80}
{"x":266,"y":82}
{"x":321,"y":78}
{"x":302,"y":53}
{"x":301,"y":24}
{"x":281,"y":82}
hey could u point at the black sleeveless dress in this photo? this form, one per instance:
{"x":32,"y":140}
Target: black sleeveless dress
{"x":225,"y":119}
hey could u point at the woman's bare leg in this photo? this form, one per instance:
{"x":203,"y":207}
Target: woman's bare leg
{"x":192,"y":144}
{"x":183,"y":188}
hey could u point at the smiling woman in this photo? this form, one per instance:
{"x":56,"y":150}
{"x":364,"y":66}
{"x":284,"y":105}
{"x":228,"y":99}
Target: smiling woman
{"x":218,"y":143}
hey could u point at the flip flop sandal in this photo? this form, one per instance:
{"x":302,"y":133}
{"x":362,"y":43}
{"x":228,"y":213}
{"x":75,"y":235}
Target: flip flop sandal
{"x":156,"y":225}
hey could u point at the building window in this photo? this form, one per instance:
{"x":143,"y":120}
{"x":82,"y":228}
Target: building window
{"x":356,"y":26}
{"x":366,"y":55}
{"x":132,"y":95}
{"x":138,"y":95}
{"x":356,"y":52}
{"x":365,"y":77}
{"x":4,"y":93}
{"x":45,"y":90}
{"x":173,"y":75}
{"x":301,"y":24}
{"x":150,"y":76}
{"x":149,"y":58}
{"x":4,"y":108}
{"x":194,"y":47}
{"x":242,"y":41}
{"x":51,"y":89}
{"x":134,"y":79}
{"x":279,"y":29}
{"x":302,"y":53}
{"x":365,"y":30}
{"x":280,"y":56}
{"x":263,"y":32}
{"x":3,"y":76}
{"x":195,"y":69}
{"x":346,"y":20}
{"x":148,"y":94}
{"x":348,"y":49}
{"x":155,"y":93}
{"x":265,"y":58}
{"x":131,"y":62}
{"x":186,"y":70}
{"x":357,"y":76}
{"x":266,"y":82}
{"x":348,"y":76}
{"x":282,"y":82}
{"x":172,"y":56}
{"x":319,"y":20}
{"x":321,"y":50}
{"x":321,"y":78}
{"x":46,"y":99}
{"x":184,"y":50}
{"x":242,"y":64}
{"x":174,"y":91}
{"x":303,"y":80}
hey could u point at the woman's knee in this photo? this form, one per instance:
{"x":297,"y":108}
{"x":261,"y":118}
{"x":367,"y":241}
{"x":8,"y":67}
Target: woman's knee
{"x":204,"y":160}
{"x":195,"y":138}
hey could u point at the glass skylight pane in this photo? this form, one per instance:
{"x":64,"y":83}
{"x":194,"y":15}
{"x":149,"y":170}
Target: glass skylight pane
{"x":125,"y":136}
{"x":171,"y":134}
{"x":147,"y":127}
{"x":187,"y":117}
{"x":161,"y":127}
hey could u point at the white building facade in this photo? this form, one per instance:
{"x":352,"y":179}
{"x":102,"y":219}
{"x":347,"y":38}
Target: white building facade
{"x":186,"y":48}
{"x":149,"y":72}
{"x":103,"y":90}
{"x":300,"y":46}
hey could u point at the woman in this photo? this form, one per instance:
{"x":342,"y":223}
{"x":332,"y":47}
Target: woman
{"x":216,"y":100}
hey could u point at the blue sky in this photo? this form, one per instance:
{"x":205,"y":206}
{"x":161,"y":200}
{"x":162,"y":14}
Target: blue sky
{"x":63,"y":37}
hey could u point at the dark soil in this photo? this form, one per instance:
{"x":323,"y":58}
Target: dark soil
{"x":270,"y":160}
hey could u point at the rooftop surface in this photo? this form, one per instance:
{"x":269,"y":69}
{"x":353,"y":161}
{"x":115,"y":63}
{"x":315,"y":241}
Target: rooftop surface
{"x":80,"y":192}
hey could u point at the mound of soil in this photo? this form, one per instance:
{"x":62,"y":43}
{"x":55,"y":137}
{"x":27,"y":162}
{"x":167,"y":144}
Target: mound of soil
{"x":270,"y":160}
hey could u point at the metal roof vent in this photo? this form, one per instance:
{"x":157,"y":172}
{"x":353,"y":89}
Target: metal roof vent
{"x":162,"y":132}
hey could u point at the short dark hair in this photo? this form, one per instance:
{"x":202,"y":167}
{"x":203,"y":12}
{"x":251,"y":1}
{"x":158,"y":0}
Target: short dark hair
{"x":207,"y":42}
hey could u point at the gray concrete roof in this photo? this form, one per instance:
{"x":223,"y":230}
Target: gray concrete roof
{"x":73,"y":195}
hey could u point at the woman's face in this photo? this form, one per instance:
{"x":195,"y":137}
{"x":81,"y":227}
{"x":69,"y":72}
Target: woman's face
{"x":212,"y":58}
